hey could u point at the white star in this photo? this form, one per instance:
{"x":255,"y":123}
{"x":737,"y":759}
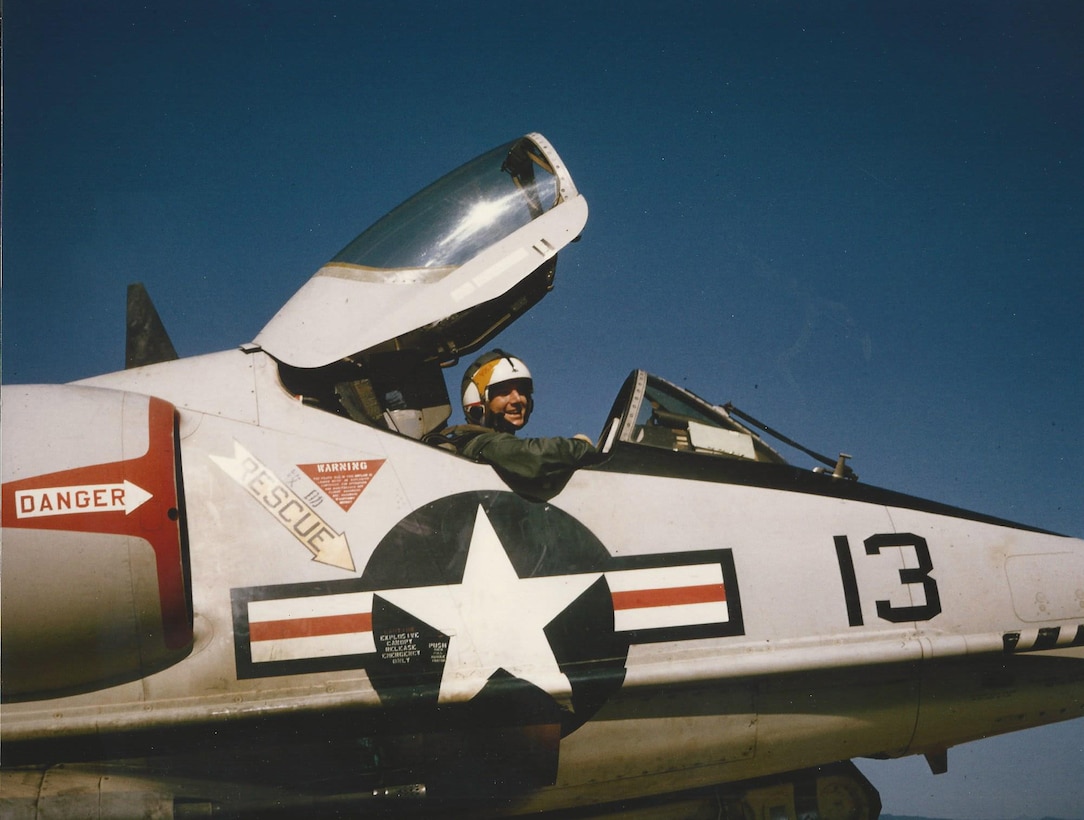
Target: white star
{"x":494,"y":619}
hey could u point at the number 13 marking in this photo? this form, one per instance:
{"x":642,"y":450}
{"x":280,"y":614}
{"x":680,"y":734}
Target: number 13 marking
{"x":914,"y":575}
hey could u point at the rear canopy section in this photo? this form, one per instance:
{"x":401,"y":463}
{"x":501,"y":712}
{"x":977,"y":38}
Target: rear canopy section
{"x":445,"y":271}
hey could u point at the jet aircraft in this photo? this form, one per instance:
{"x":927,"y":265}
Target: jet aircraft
{"x":244,"y":584}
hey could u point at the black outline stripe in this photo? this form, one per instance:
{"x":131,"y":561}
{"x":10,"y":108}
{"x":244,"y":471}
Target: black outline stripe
{"x":725,"y":558}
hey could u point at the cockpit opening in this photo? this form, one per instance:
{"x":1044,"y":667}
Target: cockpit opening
{"x":404,"y":391}
{"x":396,"y":390}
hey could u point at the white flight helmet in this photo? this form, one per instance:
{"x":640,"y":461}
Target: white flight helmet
{"x":488,"y":370}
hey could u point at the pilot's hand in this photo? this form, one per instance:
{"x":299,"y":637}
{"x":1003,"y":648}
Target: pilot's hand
{"x":583,"y":437}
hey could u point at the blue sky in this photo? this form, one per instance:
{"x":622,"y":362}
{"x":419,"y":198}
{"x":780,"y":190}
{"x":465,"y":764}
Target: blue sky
{"x":858,"y":222}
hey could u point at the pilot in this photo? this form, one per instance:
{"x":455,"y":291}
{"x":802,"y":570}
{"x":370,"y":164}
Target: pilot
{"x":497,"y":402}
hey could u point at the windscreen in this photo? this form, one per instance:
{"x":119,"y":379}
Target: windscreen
{"x":460,"y":214}
{"x":656,"y":413}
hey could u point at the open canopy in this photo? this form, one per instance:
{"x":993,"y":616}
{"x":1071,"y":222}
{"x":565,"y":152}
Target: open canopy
{"x":445,"y":271}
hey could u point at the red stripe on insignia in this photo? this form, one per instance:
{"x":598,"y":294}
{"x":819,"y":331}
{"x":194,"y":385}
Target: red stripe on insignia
{"x":310,"y":627}
{"x":670,"y":596}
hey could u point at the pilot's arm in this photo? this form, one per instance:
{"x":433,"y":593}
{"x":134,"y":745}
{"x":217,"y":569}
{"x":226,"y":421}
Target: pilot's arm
{"x":532,"y":459}
{"x":535,"y":467}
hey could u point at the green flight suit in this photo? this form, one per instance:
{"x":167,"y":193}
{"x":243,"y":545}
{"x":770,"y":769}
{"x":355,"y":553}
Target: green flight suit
{"x":537,"y":467}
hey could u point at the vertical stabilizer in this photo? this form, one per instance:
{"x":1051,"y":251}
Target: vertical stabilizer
{"x":146,"y":341}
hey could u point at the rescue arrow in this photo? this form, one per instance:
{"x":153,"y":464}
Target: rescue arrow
{"x":275,"y":496}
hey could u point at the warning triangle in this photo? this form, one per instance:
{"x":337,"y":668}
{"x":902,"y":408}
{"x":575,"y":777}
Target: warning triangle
{"x":343,"y":481}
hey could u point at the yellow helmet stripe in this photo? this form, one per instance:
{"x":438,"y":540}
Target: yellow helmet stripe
{"x":482,"y":376}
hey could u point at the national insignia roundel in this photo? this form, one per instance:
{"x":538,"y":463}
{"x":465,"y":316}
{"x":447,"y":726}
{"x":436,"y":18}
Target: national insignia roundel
{"x":574,"y":660}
